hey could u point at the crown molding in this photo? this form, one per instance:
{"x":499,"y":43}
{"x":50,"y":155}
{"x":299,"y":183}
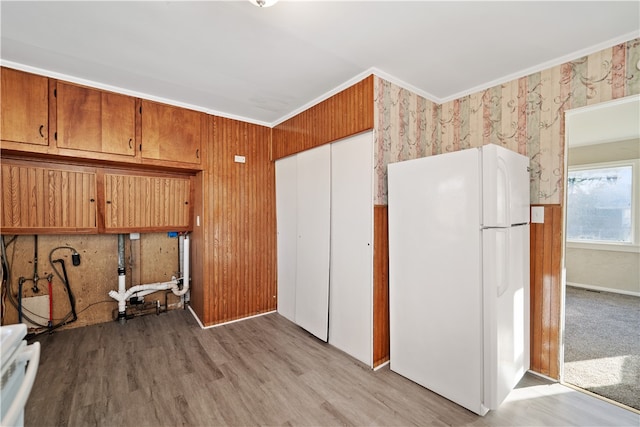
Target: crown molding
{"x":543,"y":66}
{"x":117,"y":89}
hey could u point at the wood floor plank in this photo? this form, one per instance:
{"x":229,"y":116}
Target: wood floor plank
{"x":166,"y":371}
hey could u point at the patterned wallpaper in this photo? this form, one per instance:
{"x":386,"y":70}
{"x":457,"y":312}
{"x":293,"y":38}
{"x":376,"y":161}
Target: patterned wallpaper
{"x":524,"y":115}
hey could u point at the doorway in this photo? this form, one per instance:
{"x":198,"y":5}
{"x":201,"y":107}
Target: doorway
{"x":601,"y":295}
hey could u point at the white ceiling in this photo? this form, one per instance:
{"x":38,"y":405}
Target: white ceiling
{"x":236,"y":60}
{"x":612,"y":121}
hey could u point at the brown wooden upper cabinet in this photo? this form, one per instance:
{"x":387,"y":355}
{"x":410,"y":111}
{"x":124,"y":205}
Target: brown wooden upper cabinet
{"x":135,"y":202}
{"x":94,"y":120}
{"x":172,"y":133}
{"x":47,"y":198}
{"x":24,"y":108}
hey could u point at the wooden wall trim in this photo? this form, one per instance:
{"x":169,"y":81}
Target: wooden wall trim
{"x":344,"y":114}
{"x":199,"y":268}
{"x":380,"y":285}
{"x":546,"y":286}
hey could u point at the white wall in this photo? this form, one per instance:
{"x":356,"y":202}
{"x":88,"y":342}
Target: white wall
{"x":616,"y":271}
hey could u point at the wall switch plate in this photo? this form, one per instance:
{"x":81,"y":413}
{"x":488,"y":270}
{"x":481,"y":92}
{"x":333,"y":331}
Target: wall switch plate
{"x":537,"y":215}
{"x":134,"y":236}
{"x":239,"y":159}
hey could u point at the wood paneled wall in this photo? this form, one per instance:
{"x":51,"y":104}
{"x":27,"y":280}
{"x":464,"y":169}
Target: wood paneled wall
{"x":199,"y":242}
{"x":380,"y":285}
{"x":346,"y":113}
{"x":238,"y":241}
{"x":546,"y":286}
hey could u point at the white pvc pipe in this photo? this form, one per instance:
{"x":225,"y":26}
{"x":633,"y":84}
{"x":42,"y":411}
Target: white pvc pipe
{"x":121,"y":297}
{"x":185,"y":268}
{"x":123,"y":294}
{"x":122,"y":287}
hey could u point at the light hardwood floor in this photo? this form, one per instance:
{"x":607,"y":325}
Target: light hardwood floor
{"x":166,"y":371}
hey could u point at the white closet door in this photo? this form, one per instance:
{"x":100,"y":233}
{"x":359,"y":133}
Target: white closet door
{"x":286,"y":213}
{"x":351,"y":289}
{"x":313,"y":203}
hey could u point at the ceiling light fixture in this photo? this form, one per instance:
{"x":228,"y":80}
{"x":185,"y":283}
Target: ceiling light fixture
{"x":264,"y":3}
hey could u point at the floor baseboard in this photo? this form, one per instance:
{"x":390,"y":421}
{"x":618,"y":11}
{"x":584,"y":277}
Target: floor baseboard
{"x":202,"y":326}
{"x":603,"y":289}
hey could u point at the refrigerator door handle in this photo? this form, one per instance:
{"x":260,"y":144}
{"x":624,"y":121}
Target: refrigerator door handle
{"x":502,"y":238}
{"x":505,"y":187}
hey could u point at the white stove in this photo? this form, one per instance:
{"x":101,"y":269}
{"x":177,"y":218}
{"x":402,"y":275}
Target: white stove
{"x":15,"y":381}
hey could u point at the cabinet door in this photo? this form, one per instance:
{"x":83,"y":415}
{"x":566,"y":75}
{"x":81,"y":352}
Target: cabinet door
{"x":24,"y":108}
{"x":38,"y":199}
{"x":312,"y":263}
{"x":151,"y":203}
{"x":93,"y":120}
{"x":351,"y":315}
{"x":171,"y":133}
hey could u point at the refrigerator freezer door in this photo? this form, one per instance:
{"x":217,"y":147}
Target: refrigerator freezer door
{"x":506,"y":310}
{"x":505,"y":183}
{"x":435,"y":295}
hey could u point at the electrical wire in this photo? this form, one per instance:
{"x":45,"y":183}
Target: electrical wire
{"x":95,"y":303}
{"x":13,"y":239}
{"x":7,"y":291}
{"x":48,"y":331}
{"x":53,"y":267}
{"x":3,"y":291}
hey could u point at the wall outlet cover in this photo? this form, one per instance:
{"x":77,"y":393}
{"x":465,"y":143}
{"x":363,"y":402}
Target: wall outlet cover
{"x":537,"y":215}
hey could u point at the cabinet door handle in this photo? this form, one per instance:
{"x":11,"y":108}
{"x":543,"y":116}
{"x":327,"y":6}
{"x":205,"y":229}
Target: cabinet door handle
{"x":130,"y":145}
{"x":40,"y":131}
{"x":92,"y":200}
{"x":197,"y":153}
{"x":108,"y":202}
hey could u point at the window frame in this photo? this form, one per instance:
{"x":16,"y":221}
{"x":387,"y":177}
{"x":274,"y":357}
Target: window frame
{"x":634,"y":245}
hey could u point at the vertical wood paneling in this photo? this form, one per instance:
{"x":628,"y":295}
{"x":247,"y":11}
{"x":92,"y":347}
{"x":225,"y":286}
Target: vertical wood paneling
{"x":199,"y":241}
{"x":546,"y":282}
{"x":380,"y":285}
{"x":239,"y":224}
{"x":144,"y":203}
{"x":346,"y":113}
{"x":36,"y":198}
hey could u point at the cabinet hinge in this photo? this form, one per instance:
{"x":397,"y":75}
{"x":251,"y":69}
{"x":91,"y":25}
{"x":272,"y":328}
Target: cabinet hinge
{"x":55,"y":93}
{"x":140,"y":147}
{"x":140,"y":110}
{"x":55,"y":136}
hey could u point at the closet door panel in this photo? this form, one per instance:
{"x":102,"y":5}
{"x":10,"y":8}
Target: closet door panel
{"x":286,"y":217}
{"x":351,"y":289}
{"x":313,"y":213}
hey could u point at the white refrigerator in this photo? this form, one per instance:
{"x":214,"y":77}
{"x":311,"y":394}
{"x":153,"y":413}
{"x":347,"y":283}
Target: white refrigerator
{"x":459,"y":273}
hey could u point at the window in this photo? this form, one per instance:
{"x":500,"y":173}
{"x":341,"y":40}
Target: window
{"x":600,"y":200}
